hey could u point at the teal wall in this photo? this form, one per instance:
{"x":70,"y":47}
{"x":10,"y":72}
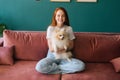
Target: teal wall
{"x":103,"y":16}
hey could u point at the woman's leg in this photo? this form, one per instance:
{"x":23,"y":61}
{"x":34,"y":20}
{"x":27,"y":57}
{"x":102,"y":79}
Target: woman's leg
{"x":48,"y":65}
{"x":72,"y":66}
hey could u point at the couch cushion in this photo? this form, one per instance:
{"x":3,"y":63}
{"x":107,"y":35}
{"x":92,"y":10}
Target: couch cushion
{"x":29,"y":45}
{"x":94,"y":71}
{"x":24,"y":70}
{"x":116,"y":64}
{"x":96,"y":47}
{"x":6,"y":55}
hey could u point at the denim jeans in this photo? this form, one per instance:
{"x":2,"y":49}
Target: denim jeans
{"x":50,"y":65}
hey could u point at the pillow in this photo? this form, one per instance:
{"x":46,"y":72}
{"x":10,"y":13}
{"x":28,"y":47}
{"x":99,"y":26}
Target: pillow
{"x":6,"y":55}
{"x":29,"y":45}
{"x":1,"y":41}
{"x":116,"y":64}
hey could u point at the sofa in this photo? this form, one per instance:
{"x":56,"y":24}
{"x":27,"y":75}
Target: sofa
{"x":21,"y":50}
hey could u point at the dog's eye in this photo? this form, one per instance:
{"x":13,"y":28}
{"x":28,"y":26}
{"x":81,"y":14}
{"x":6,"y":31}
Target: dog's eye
{"x":60,"y":35}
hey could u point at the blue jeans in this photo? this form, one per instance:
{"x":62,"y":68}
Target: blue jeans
{"x":50,"y":65}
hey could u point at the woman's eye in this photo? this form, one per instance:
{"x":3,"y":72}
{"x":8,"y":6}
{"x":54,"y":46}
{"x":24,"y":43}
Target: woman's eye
{"x":58,"y":15}
{"x":63,"y":15}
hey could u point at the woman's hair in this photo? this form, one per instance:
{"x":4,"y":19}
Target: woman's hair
{"x":54,"y":23}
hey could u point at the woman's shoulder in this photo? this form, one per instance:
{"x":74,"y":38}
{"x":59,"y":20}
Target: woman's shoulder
{"x":68,"y":27}
{"x":51,"y":28}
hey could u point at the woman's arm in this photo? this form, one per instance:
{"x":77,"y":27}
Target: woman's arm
{"x":50,"y":45}
{"x":71,"y":45}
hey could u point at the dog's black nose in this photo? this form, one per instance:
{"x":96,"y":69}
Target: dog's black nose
{"x":62,"y":38}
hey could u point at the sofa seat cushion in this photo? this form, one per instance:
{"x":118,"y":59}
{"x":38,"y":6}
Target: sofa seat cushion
{"x":24,"y":70}
{"x":94,"y":71}
{"x":29,"y":45}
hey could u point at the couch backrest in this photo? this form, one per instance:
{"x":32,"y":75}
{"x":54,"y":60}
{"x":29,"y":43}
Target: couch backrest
{"x":29,"y":45}
{"x":89,"y":47}
{"x":96,"y":47}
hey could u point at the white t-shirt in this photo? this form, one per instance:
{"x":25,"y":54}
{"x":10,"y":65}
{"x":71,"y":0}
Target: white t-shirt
{"x":68,"y":29}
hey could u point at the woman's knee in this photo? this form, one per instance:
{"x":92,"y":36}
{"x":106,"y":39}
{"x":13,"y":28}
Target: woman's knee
{"x":40,"y":69}
{"x":43,"y":65}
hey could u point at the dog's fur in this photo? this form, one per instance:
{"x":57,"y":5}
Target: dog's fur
{"x":60,"y":40}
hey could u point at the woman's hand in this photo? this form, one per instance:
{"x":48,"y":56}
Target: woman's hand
{"x":61,"y":50}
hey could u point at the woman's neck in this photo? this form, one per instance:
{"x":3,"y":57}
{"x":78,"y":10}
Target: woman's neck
{"x":60,"y":25}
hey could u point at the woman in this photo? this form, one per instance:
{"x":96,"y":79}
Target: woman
{"x":50,"y":65}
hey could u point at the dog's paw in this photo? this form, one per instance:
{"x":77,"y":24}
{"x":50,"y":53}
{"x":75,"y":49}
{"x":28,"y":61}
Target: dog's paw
{"x":65,"y":47}
{"x":68,"y":59}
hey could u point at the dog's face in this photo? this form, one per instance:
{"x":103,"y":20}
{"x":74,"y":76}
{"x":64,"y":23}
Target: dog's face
{"x":61,"y":34}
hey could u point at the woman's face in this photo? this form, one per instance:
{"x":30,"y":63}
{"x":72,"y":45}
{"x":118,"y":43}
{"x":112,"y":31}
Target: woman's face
{"x":60,"y":17}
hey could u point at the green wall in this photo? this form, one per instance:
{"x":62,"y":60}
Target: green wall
{"x":103,"y":16}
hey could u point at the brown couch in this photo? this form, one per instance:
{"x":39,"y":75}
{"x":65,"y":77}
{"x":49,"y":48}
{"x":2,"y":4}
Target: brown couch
{"x":21,"y":50}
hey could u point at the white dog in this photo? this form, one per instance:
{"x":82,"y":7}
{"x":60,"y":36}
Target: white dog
{"x":60,"y":40}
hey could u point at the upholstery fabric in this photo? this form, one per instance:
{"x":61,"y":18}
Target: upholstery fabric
{"x":28,"y":45}
{"x":6,"y":55}
{"x":94,"y":71}
{"x":24,"y":70}
{"x":1,"y":41}
{"x":96,"y":47}
{"x":116,"y":64}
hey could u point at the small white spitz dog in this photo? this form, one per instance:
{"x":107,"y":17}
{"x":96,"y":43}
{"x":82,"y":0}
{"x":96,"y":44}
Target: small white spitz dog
{"x":60,"y":40}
